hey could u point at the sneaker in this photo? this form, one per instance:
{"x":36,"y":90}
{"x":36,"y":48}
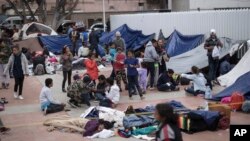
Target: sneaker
{"x":63,"y":90}
{"x":20,"y":97}
{"x":151,"y":88}
{"x":15,"y":95}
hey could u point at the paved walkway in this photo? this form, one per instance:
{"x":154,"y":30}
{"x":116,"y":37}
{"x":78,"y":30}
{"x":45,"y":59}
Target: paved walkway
{"x":25,"y":118}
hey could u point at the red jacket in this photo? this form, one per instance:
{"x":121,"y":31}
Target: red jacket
{"x":92,"y":69}
{"x":120,"y":57}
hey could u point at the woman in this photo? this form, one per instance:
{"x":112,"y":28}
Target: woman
{"x":168,"y":129}
{"x":19,"y":67}
{"x":91,"y":67}
{"x":66,"y":61}
{"x":199,"y":82}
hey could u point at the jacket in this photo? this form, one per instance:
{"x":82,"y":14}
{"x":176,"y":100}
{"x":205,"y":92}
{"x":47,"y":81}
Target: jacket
{"x":66,"y":63}
{"x":164,"y":78}
{"x":11,"y":64}
{"x":92,"y":69}
{"x":114,"y":94}
{"x":119,"y":58}
{"x":199,"y":81}
{"x":150,"y":54}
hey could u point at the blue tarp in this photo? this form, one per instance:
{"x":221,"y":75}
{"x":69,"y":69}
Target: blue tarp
{"x":134,"y":39}
{"x":242,"y":85}
{"x":178,"y":43}
{"x":55,"y":43}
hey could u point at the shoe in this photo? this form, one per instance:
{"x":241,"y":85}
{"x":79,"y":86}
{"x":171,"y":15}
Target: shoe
{"x":4,"y":129}
{"x":142,"y":97}
{"x":151,"y":88}
{"x":15,"y":95}
{"x":20,"y":97}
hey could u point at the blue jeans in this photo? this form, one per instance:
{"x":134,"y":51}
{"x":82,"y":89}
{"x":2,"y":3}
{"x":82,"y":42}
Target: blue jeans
{"x":151,"y":70}
{"x":99,"y":96}
{"x":132,"y":84}
{"x":213,"y":67}
{"x":195,"y":93}
{"x":86,"y":98}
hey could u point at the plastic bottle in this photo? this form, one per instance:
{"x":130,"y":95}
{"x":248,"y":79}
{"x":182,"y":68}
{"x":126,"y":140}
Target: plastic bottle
{"x":208,"y":93}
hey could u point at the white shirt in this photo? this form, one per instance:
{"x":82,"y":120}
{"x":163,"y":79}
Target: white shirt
{"x":83,"y":51}
{"x":199,"y":81}
{"x":114,"y":94}
{"x":46,"y":96}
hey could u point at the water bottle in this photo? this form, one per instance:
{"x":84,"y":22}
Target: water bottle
{"x":208,"y":93}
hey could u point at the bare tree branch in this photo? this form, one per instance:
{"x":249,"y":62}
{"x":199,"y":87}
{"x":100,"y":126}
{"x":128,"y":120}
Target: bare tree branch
{"x":16,"y":10}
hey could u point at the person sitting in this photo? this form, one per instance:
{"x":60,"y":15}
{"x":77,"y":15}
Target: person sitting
{"x":166,"y":82}
{"x":225,"y":66}
{"x":101,"y":87}
{"x":47,"y":101}
{"x":86,"y":88}
{"x":112,"y":94}
{"x":199,"y":82}
{"x":73,"y":92}
{"x":39,"y":64}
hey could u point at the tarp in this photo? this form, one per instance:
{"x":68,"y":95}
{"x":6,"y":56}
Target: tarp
{"x":179,"y":43}
{"x":134,"y":39}
{"x":241,"y":85}
{"x":32,"y":44}
{"x":56,"y":43}
{"x":241,"y":68}
{"x":197,"y":57}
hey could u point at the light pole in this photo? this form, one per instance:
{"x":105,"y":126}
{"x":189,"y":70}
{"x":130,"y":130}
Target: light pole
{"x":104,"y":20}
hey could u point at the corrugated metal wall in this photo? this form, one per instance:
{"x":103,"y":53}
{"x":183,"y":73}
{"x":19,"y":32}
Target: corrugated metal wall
{"x":233,"y":24}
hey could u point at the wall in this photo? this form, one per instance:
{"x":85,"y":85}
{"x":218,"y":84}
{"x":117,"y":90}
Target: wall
{"x":228,"y":23}
{"x":180,"y":5}
{"x":211,"y":4}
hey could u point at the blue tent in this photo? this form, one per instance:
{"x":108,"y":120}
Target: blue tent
{"x":178,"y":43}
{"x":134,"y":39}
{"x":241,"y":85}
{"x":55,"y":43}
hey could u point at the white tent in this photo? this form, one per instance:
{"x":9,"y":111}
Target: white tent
{"x":241,"y":68}
{"x":197,"y":57}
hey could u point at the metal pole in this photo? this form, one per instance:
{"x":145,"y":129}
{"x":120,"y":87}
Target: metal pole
{"x":104,"y":17}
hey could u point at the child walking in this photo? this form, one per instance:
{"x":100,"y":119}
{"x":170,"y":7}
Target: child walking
{"x":132,"y":74}
{"x":143,"y":77}
{"x":119,"y":68}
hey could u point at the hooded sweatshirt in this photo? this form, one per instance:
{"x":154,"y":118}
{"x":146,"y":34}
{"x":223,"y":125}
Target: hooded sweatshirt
{"x":150,"y":54}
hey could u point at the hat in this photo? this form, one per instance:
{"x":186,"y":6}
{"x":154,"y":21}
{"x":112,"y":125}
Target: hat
{"x":118,"y":33}
{"x":213,"y":31}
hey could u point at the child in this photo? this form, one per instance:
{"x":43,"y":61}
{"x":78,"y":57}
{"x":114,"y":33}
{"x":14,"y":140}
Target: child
{"x":132,"y":73}
{"x":73,"y":92}
{"x":101,"y":87}
{"x":143,"y":77}
{"x":112,"y":53}
{"x":168,"y":128}
{"x":119,"y":68}
{"x":91,"y":67}
{"x":112,"y":95}
{"x":86,"y":88}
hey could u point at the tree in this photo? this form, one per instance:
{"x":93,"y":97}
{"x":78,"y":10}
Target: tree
{"x":60,"y":12}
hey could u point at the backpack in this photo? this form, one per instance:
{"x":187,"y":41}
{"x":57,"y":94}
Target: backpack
{"x":39,"y":70}
{"x":236,"y":101}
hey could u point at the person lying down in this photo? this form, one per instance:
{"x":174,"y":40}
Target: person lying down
{"x":80,"y":125}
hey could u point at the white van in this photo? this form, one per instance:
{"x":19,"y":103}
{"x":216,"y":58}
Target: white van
{"x":15,"y":20}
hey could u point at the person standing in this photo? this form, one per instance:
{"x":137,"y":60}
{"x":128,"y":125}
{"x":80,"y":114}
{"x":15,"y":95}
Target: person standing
{"x":74,"y":36}
{"x":19,"y":66}
{"x":168,"y":129}
{"x":143,"y":77}
{"x":150,"y":57}
{"x":119,"y":41}
{"x":213,"y":62}
{"x":132,"y":74}
{"x":93,"y":40}
{"x":66,"y":61}
{"x":5,"y":53}
{"x":163,"y":56}
{"x":119,"y":67}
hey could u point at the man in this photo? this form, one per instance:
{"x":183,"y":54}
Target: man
{"x":5,"y":53}
{"x":47,"y":101}
{"x":151,"y":57}
{"x":119,"y":42}
{"x":93,"y":40}
{"x":213,"y":63}
{"x":19,"y":66}
{"x":166,"y":82}
{"x":163,"y":56}
{"x":74,"y":36}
